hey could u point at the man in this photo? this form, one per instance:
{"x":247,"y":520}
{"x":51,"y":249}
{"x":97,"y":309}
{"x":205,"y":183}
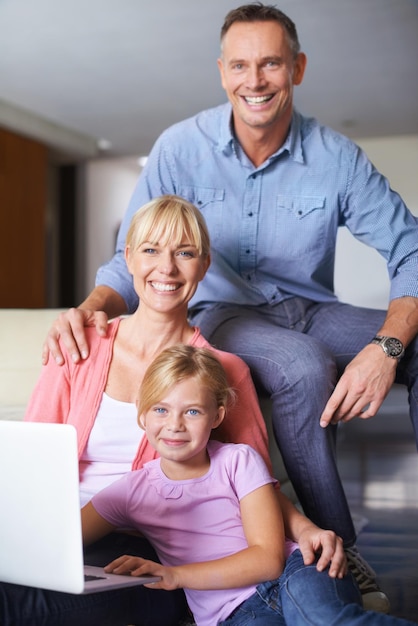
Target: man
{"x":274,"y":187}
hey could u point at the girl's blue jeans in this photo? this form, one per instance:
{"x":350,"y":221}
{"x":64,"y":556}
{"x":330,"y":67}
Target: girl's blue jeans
{"x":303,"y":596}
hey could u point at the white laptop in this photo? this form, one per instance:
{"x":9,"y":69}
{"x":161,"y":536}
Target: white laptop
{"x":40,"y":525}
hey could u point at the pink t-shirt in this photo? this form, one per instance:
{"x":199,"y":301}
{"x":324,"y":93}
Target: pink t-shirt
{"x":192,"y":520}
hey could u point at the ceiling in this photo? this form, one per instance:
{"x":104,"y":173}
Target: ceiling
{"x":123,"y":70}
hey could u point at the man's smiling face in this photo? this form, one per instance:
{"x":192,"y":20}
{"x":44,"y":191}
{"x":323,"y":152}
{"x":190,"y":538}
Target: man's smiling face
{"x":258,"y":71}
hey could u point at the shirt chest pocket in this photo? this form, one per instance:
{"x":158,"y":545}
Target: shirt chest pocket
{"x":210,"y":201}
{"x":300,"y":224}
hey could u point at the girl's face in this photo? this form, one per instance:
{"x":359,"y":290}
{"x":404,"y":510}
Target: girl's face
{"x":166,"y":276}
{"x":179,"y":426}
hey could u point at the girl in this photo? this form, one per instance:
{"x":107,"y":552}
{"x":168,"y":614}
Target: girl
{"x":211,"y":512}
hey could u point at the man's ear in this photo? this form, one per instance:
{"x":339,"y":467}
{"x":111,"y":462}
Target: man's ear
{"x":220,"y":417}
{"x":221,"y":71}
{"x":299,"y":67}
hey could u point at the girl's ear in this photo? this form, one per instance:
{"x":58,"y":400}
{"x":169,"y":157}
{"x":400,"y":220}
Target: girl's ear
{"x":220,"y":417}
{"x":141,"y":421}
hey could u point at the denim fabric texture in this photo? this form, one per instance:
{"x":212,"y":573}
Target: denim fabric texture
{"x":302,"y":596}
{"x":296,"y":350}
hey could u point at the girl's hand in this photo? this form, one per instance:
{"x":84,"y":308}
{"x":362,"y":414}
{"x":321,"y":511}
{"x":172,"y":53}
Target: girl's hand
{"x":328,"y":546}
{"x":136,"y":566}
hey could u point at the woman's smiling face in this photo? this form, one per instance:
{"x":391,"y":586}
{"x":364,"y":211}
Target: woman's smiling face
{"x":166,"y":275}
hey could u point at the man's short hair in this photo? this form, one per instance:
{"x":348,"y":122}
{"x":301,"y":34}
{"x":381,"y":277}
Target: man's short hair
{"x":259,"y":12}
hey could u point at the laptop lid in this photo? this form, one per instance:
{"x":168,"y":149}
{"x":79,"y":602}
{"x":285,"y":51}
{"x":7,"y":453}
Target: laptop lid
{"x":40,"y":525}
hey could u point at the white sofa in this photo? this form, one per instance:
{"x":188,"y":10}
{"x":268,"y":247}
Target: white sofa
{"x":22,"y":332}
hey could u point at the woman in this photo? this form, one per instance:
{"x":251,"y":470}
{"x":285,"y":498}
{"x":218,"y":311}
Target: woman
{"x":167,"y":253}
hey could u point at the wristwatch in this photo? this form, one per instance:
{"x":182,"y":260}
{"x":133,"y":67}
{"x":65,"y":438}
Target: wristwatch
{"x":391,"y":346}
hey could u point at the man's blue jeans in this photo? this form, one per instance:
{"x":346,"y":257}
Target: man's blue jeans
{"x":296,"y":350}
{"x":303,"y":596}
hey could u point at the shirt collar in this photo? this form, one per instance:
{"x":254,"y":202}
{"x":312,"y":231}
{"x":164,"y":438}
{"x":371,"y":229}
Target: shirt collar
{"x":294,"y":138}
{"x":226,"y":136}
{"x":292,"y":144}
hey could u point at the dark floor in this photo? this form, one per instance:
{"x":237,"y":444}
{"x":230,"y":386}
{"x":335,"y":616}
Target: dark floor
{"x":378,"y":463}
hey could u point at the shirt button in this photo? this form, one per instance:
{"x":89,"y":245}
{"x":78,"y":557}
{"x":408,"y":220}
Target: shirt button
{"x":250,"y":214}
{"x":247,"y":252}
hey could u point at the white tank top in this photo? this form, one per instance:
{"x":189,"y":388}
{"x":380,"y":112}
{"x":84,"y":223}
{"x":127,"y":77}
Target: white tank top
{"x":111,"y":447}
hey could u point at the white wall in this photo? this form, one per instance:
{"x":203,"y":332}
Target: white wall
{"x":109,"y":186}
{"x":360,"y":276}
{"x":360,"y":273}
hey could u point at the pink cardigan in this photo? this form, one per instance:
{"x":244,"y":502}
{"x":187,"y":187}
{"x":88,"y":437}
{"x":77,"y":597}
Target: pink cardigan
{"x":72,"y":394}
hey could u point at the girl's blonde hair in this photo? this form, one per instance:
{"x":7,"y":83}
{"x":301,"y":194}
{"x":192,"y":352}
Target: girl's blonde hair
{"x":168,"y":219}
{"x":178,"y":363}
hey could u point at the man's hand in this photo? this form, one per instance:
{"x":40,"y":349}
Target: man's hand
{"x":136,"y":566}
{"x":69,"y":326}
{"x":101,"y":304}
{"x":314,"y":541}
{"x":362,"y":388}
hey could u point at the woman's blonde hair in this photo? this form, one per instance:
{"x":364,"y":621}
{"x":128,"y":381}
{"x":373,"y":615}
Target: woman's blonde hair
{"x":168,"y":218}
{"x":178,"y":363}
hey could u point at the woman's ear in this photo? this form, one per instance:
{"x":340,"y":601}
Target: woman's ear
{"x":220,"y":417}
{"x":128,"y":258}
{"x":205,"y":266}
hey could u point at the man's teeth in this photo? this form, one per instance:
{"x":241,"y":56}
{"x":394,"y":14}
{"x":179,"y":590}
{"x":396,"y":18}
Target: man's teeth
{"x":164,"y":286}
{"x":257,"y":99}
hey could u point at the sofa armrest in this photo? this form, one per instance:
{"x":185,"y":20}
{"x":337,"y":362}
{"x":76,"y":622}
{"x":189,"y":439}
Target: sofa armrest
{"x":22,"y":333}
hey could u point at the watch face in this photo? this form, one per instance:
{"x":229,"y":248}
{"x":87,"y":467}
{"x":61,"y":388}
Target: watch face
{"x":393,"y":347}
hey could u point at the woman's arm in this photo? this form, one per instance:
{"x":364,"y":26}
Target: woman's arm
{"x":262,"y":560}
{"x":50,"y":398}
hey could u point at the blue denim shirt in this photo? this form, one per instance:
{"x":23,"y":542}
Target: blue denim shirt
{"x":273,"y":228}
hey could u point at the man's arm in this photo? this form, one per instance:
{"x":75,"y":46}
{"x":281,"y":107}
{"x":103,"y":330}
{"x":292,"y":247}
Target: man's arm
{"x":102,"y":304}
{"x":367,"y":380}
